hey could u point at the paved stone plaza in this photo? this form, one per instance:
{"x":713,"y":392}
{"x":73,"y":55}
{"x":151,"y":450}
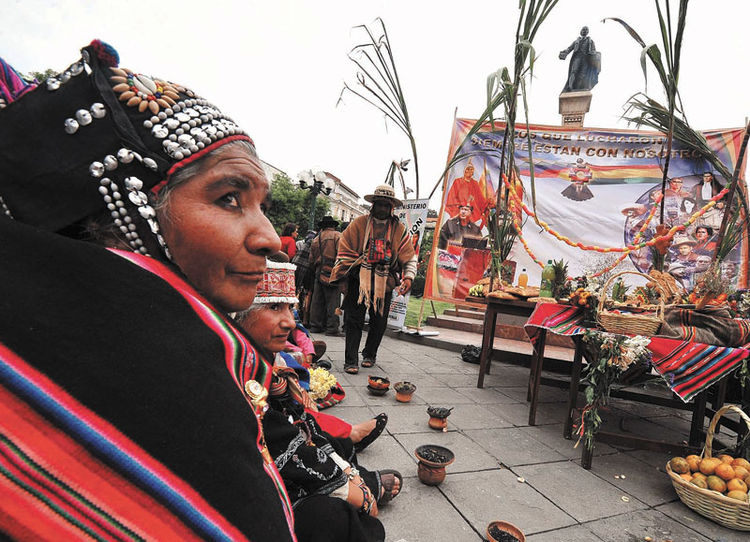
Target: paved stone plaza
{"x":508,"y":470}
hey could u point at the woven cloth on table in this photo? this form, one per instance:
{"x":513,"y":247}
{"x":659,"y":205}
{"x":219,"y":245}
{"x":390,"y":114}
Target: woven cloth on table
{"x":694,"y":350}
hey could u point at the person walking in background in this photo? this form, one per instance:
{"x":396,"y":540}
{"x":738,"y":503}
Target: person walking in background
{"x":289,"y":239}
{"x":375,"y":253}
{"x":326,"y":296}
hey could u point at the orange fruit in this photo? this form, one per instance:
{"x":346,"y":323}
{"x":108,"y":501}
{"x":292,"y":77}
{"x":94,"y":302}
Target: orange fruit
{"x":708,"y":465}
{"x":741,"y":462}
{"x":739,"y":495}
{"x":694,"y":461}
{"x":699,"y":475}
{"x":679,"y":465}
{"x":686,"y":477}
{"x":699,"y":482}
{"x":724,"y":471}
{"x":716,"y":483}
{"x":735,"y":484}
{"x":741,"y":472}
{"x":725,"y":458}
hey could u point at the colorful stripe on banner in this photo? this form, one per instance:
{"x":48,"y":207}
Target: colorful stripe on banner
{"x":241,"y":358}
{"x":690,"y":367}
{"x":38,"y":414}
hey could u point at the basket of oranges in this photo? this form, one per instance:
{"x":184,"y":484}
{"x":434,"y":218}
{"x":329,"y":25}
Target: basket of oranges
{"x":715,"y":487}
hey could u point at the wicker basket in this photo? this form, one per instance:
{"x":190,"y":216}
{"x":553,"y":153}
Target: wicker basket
{"x":712,"y":504}
{"x":634,"y":324}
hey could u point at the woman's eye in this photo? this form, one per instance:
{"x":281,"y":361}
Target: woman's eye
{"x":230,"y":200}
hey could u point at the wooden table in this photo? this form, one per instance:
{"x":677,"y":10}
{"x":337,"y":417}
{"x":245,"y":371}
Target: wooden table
{"x":495,"y":306}
{"x":698,"y":408}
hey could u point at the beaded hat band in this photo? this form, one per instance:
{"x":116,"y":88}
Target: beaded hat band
{"x":278,"y":284}
{"x":99,"y":138}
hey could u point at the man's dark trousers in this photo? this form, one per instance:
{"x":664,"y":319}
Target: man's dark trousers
{"x":354,"y":321}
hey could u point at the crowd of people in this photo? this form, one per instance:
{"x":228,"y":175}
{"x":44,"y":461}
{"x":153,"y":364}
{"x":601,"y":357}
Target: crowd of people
{"x":146,"y":391}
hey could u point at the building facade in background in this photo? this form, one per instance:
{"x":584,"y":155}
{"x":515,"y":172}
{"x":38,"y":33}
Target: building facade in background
{"x":345,"y":205}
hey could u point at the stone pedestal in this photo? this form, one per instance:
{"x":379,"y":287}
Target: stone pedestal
{"x":574,"y":106}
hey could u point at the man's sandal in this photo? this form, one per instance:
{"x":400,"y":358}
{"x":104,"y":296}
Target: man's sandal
{"x":351,"y":369}
{"x":367,"y":362}
{"x":381,"y":420}
{"x":388,"y":479}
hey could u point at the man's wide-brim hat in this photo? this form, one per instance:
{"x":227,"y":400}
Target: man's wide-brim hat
{"x":97,"y":138}
{"x":384,"y":191}
{"x":278,"y":284}
{"x":682,"y":240}
{"x":328,"y":222}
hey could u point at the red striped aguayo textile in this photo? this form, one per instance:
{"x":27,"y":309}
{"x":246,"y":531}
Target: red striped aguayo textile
{"x":688,"y":367}
{"x":67,"y":473}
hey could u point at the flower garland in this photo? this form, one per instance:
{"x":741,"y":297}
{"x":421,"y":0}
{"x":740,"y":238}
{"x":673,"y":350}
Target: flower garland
{"x":612,"y":355}
{"x":516,"y":201}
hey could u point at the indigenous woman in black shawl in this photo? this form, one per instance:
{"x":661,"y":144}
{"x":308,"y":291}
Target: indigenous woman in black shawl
{"x":335,"y":499}
{"x":130,"y":405}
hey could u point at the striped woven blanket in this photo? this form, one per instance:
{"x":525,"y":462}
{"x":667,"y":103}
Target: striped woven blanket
{"x":688,"y":367}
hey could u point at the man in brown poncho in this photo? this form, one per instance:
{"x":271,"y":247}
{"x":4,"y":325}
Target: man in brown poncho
{"x":375,"y":254}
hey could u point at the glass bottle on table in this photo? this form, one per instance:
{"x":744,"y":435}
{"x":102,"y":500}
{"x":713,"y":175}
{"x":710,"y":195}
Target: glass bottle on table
{"x":523,"y":279}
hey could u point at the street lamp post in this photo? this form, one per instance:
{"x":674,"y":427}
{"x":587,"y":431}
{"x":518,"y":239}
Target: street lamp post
{"x":317,"y":182}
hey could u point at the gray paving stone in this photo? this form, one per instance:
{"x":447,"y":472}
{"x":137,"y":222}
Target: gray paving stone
{"x":547,"y":394}
{"x":442,"y":397}
{"x":518,"y":413}
{"x":552,"y":436}
{"x":423,"y":514}
{"x":407,"y":418}
{"x":387,"y":453}
{"x":473,"y":416}
{"x":640,"y":524}
{"x":497,"y":495}
{"x":512,"y":446}
{"x":713,"y":531}
{"x":469,"y":457}
{"x":577,"y":533}
{"x":467,"y":380}
{"x":643,"y":481}
{"x":484,"y":396}
{"x":580,"y":493}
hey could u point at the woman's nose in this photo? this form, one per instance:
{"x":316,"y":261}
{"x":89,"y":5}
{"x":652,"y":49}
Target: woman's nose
{"x":261,"y":238}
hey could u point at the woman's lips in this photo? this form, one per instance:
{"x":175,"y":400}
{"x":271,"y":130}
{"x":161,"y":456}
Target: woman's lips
{"x":249,"y":275}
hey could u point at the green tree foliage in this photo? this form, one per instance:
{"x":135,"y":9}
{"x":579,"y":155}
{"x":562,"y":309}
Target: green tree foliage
{"x":290,"y":203}
{"x":39,"y":76}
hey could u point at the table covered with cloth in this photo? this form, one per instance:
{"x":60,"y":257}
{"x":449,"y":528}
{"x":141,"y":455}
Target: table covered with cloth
{"x":694,"y":349}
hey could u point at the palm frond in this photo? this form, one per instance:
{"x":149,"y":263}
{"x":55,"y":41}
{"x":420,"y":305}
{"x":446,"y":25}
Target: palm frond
{"x":378,"y":83}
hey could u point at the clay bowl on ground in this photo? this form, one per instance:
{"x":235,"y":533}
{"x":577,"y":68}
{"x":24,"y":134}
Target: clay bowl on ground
{"x":434,"y":455}
{"x":377,"y":391}
{"x":432,"y":462}
{"x":502,"y":531}
{"x":404,"y":391}
{"x":378,"y":382}
{"x":438,"y":417}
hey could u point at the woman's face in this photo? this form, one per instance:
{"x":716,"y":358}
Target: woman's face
{"x":270,"y":325}
{"x":688,"y":205}
{"x":216,"y":230}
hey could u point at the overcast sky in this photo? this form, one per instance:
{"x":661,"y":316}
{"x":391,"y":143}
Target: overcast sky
{"x":277,"y":66}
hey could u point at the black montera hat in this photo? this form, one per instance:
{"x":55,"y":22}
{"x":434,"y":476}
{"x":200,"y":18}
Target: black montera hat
{"x":328,"y":222}
{"x":98,"y":137}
